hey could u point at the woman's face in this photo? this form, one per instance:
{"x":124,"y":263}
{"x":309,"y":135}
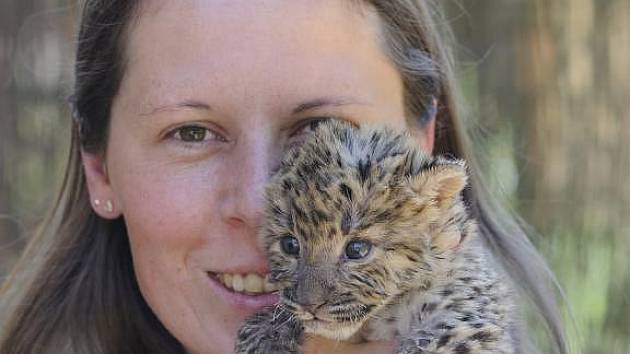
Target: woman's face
{"x":213,"y":93}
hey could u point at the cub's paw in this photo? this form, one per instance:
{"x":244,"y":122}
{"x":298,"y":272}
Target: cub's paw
{"x":462,"y":338}
{"x":417,"y":344}
{"x":272,"y":330}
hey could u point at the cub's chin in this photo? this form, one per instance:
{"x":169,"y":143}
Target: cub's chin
{"x":333,"y":330}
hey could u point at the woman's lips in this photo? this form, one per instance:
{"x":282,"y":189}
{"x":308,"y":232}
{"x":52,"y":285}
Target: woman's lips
{"x":247,"y":292}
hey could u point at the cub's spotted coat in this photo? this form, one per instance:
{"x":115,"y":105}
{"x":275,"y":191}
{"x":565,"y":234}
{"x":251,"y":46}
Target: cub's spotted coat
{"x":369,"y":239}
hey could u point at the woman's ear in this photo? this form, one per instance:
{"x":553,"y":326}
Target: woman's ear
{"x":102,"y":197}
{"x":425,"y":134}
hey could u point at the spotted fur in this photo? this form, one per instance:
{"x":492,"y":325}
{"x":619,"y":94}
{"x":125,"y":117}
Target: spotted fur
{"x":426,"y":282}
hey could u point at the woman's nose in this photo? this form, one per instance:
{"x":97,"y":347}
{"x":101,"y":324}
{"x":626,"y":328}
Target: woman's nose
{"x":253,"y":163}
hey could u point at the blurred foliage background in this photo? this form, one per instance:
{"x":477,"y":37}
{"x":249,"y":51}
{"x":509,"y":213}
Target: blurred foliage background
{"x":548,"y":87}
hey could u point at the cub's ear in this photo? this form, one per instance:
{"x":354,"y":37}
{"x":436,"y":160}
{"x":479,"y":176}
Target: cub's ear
{"x":441,"y":181}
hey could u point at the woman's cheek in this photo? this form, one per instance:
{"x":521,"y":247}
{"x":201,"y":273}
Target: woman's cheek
{"x":170,"y":205}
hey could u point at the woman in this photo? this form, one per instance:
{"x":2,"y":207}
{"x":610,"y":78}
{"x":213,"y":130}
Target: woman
{"x":182,"y":111}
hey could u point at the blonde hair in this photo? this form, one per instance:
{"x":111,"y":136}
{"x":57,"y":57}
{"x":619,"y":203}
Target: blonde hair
{"x":74,"y":289}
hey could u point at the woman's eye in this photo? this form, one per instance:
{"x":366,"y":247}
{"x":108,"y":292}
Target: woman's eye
{"x":358,"y":249}
{"x":311,"y":125}
{"x":193,"y":134}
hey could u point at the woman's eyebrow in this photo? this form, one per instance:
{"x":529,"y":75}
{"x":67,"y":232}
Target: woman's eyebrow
{"x":322,"y":102}
{"x":300,"y":108}
{"x":184,"y":104}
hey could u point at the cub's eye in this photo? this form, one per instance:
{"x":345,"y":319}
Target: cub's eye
{"x":358,"y":249}
{"x":290,"y":245}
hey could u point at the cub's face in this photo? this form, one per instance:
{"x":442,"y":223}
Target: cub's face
{"x":351,"y":219}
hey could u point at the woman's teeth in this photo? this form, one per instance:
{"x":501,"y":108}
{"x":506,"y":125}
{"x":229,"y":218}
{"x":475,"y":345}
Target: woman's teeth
{"x":247,"y":283}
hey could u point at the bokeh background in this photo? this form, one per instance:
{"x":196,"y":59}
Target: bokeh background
{"x":548,"y":91}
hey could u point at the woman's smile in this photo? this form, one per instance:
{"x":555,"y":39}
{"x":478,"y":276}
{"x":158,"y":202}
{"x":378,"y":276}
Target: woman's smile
{"x":246,"y":292}
{"x":250,"y":283}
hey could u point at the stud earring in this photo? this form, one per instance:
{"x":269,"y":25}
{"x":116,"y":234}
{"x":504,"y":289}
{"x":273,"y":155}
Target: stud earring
{"x":108,"y":207}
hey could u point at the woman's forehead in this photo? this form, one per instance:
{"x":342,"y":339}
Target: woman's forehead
{"x":281,"y":27}
{"x":243,"y":48}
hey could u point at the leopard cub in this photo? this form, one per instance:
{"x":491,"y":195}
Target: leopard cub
{"x":368,"y":238}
